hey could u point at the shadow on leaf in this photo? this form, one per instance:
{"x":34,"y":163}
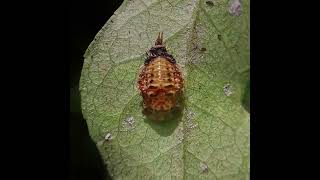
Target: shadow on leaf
{"x":246,"y":97}
{"x":169,"y":122}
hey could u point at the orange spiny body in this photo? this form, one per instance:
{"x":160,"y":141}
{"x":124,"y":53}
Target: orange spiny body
{"x":160,"y":81}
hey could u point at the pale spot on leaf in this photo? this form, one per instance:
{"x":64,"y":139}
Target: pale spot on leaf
{"x":108,"y":137}
{"x":235,"y":8}
{"x":203,"y":167}
{"x":227,"y":89}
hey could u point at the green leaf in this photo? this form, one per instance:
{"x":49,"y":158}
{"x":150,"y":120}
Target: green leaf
{"x":209,"y":139}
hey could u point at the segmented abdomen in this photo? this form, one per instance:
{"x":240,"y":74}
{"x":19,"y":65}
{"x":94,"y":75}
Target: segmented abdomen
{"x":160,"y":83}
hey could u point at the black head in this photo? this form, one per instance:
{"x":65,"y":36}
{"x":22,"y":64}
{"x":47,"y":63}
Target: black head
{"x":159,"y":50}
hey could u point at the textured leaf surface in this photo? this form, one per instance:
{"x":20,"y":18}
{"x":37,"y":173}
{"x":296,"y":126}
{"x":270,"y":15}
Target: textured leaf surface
{"x":210,"y":140}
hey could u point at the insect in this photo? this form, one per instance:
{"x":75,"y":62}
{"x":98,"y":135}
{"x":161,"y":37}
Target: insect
{"x":160,"y":80}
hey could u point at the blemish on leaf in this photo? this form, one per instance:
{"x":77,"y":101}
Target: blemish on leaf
{"x":210,"y":3}
{"x":235,"y":8}
{"x":219,"y":37}
{"x":203,"y":49}
{"x":227,"y":90}
{"x":190,"y":115}
{"x":203,"y":168}
{"x":129,"y":122}
{"x":180,"y":136}
{"x":189,"y":123}
{"x":108,"y":137}
{"x":193,"y":126}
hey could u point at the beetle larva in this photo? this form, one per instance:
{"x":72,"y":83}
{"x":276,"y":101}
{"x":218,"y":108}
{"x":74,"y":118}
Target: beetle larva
{"x":160,"y":80}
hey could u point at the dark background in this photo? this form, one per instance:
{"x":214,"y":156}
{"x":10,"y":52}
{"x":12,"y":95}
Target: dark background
{"x":85,"y":19}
